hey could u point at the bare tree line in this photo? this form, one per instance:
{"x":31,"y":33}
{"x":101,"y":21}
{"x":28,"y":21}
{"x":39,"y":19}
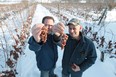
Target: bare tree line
{"x":15,"y":27}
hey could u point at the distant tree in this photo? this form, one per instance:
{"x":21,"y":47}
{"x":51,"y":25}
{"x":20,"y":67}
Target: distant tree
{"x":72,"y":1}
{"x":102,"y":56}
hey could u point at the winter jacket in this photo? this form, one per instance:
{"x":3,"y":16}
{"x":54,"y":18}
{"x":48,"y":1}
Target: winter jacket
{"x":46,"y":54}
{"x":82,"y":53}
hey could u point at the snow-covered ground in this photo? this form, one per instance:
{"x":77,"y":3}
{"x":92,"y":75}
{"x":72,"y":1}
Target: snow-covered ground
{"x":27,"y":63}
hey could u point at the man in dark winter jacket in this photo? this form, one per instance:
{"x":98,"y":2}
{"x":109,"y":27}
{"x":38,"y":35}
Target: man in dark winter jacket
{"x":46,"y":53}
{"x":79,"y":53}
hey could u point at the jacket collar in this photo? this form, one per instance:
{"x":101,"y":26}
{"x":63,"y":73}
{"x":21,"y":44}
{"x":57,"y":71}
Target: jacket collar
{"x":82,"y":37}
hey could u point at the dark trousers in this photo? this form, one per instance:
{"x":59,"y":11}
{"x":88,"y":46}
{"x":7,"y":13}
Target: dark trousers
{"x":47,"y":73}
{"x":72,"y":74}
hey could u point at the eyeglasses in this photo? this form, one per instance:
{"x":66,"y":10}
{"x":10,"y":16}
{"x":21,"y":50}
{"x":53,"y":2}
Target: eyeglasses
{"x":48,"y":25}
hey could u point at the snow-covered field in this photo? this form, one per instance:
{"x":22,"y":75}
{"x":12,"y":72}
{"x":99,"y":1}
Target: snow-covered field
{"x":26,"y":66}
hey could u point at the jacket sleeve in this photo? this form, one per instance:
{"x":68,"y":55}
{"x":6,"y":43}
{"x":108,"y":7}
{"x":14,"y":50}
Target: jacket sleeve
{"x":57,"y":39}
{"x":33,"y":45}
{"x":91,"y":58}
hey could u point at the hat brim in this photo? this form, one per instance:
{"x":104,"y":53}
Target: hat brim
{"x":72,"y":24}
